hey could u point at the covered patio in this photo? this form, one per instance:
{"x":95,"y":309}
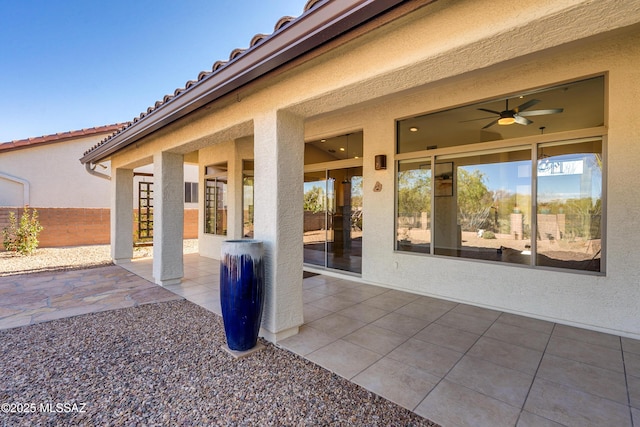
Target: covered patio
{"x":453,"y":363}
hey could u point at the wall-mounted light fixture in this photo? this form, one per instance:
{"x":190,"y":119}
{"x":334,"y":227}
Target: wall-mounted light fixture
{"x":381,"y":162}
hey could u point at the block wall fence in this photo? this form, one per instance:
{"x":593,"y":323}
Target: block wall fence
{"x":82,"y":226}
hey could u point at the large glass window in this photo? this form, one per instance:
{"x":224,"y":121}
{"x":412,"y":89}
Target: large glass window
{"x":414,"y":205}
{"x":569,"y":200}
{"x":247,"y":198}
{"x":469,"y":194}
{"x":487,"y":214}
{"x":215,"y":208}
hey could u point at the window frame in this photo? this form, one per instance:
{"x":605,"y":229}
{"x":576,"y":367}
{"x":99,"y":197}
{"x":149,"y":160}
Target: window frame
{"x":216,"y":173}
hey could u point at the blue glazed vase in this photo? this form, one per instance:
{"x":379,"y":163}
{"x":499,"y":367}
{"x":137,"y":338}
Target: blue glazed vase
{"x":241,"y":292}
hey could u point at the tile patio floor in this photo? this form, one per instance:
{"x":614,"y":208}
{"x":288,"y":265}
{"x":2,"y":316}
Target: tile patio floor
{"x":455,"y":364}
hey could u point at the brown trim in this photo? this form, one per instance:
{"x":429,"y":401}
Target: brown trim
{"x":58,"y":137}
{"x":325,"y":22}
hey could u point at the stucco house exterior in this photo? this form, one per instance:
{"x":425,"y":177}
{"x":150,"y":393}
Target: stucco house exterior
{"x":73,"y":205}
{"x":480,"y":152}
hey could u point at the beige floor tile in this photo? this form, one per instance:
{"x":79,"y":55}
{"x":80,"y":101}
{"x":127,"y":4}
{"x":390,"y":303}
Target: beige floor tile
{"x":506,"y":385}
{"x":632,"y":363}
{"x":584,"y":335}
{"x":526,"y":322}
{"x":635,"y":413}
{"x":432,"y":358}
{"x":306,"y":341}
{"x":205,"y":300}
{"x":308,"y":295}
{"x":336,"y":325}
{"x":633,"y":384}
{"x":332,"y":303}
{"x":445,"y":336}
{"x":329,"y":288}
{"x":402,"y":384}
{"x":473,"y":324}
{"x":601,"y":382}
{"x":441,"y":303}
{"x":508,"y":355}
{"x":344,"y":358}
{"x":527,"y":419}
{"x":359,"y":294}
{"x":573,"y":407}
{"x":481,"y":312}
{"x":387,"y":301}
{"x":364,"y":313}
{"x":631,"y":345}
{"x":581,"y":351}
{"x":406,"y":296}
{"x":211,"y":305}
{"x":401,"y":324}
{"x":312,"y":313}
{"x":450,"y":404}
{"x":375,"y":338}
{"x":518,"y":336}
{"x":422,"y":311}
{"x":315,"y":281}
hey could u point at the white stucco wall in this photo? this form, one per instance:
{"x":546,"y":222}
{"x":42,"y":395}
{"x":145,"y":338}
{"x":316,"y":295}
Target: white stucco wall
{"x":445,"y":55}
{"x":57,"y":179}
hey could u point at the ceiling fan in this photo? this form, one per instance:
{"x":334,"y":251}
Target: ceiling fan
{"x":518,"y":114}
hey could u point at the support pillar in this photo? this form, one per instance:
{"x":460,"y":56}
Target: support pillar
{"x":168,"y":217}
{"x":121,"y":217}
{"x":279,"y":180}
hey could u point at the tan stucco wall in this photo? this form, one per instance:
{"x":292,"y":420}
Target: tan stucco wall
{"x":449,"y":54}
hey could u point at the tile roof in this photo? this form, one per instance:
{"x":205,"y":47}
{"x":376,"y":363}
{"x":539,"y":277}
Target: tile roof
{"x":217,"y":66}
{"x":59,"y":137}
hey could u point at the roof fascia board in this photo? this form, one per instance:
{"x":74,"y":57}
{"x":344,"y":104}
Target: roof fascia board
{"x":309,"y":31}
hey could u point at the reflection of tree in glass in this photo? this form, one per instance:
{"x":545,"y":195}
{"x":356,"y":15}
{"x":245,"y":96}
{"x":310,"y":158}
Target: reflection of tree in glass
{"x":314,"y":199}
{"x":414,"y":192}
{"x":474,"y":200}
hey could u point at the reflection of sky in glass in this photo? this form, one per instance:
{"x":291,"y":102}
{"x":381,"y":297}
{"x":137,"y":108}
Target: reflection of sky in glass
{"x":571,"y":176}
{"x":510,"y":177}
{"x":563,"y":177}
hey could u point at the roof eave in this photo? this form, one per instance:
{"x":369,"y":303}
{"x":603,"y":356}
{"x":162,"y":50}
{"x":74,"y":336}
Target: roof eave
{"x":309,"y":31}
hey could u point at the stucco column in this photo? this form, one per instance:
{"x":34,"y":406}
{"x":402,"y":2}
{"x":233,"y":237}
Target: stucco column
{"x":168,"y":217}
{"x":121,"y":216}
{"x":279,"y":173}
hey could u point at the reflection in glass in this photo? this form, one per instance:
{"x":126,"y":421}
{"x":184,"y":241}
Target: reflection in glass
{"x":569,"y":204}
{"x":315,"y":218}
{"x":344,"y":247}
{"x":247,"y":199}
{"x":216,"y":206}
{"x":414,"y":206}
{"x":333,"y":219}
{"x":489,"y":216}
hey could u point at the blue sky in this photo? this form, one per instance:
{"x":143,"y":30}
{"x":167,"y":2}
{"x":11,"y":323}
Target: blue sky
{"x":73,"y":64}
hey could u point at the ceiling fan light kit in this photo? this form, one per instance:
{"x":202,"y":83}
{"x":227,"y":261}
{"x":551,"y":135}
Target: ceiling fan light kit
{"x":518,"y":115}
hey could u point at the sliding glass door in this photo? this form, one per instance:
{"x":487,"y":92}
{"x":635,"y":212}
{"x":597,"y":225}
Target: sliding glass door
{"x":333,"y":219}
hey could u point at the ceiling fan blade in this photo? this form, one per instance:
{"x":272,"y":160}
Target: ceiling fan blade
{"x":475,"y":120}
{"x":522,"y":120}
{"x":526,"y":105}
{"x":542,"y":112}
{"x":490,"y":124}
{"x":489,"y":111}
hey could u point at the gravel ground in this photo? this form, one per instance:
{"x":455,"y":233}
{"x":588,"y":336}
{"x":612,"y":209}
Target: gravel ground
{"x":70,"y":258}
{"x":162,"y":364}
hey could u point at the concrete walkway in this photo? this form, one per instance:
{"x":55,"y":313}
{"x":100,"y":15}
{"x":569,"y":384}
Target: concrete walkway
{"x":455,"y":364}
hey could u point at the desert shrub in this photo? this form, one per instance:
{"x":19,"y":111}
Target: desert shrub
{"x":488,"y":235}
{"x":22,"y":236}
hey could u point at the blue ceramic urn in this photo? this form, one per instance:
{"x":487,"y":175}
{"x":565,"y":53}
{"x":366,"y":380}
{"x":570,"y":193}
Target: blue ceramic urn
{"x":242,"y":292}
